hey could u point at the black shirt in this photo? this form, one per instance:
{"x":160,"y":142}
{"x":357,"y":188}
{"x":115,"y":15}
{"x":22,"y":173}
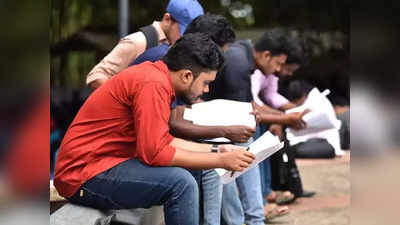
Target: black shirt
{"x":233,"y":79}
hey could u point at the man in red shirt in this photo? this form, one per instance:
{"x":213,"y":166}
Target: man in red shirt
{"x":118,"y":152}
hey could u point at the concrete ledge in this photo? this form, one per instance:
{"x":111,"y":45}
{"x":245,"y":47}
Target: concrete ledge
{"x":71,"y":214}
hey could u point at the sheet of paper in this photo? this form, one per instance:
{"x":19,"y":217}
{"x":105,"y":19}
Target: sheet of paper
{"x":262,"y":148}
{"x":322,"y":116}
{"x":316,"y":121}
{"x":221,"y":112}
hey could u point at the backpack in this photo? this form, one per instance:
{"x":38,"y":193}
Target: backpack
{"x":151,"y":35}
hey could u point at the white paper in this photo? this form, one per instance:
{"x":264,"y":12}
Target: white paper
{"x":321,"y":117}
{"x":328,"y":129}
{"x":262,"y":148}
{"x":221,"y":112}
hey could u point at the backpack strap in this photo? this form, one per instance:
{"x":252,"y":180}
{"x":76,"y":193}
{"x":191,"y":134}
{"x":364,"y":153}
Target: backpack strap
{"x":151,"y":36}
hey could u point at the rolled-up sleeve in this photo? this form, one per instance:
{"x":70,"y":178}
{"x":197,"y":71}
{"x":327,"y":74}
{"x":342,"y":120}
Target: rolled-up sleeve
{"x":151,"y":111}
{"x":256,"y":80}
{"x":272,"y":98}
{"x":127,"y":50}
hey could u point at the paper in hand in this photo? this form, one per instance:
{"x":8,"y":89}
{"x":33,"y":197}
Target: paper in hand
{"x":262,"y":148}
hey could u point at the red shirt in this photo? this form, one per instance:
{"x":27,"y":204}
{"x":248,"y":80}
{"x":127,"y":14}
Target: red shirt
{"x":127,"y":117}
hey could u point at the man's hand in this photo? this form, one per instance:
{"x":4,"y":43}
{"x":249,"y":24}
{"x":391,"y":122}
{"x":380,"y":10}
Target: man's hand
{"x":276,"y":129}
{"x":239,"y":134}
{"x":257,"y":115}
{"x":295,"y":119}
{"x":97,"y":83}
{"x":236,"y":160}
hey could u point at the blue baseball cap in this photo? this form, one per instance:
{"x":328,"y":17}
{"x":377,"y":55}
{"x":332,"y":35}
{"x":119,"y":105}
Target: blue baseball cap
{"x":184,"y":11}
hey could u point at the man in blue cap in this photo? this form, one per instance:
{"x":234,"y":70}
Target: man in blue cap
{"x":179,"y":13}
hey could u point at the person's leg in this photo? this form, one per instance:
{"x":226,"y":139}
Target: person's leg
{"x":132,"y":184}
{"x":264,"y":166}
{"x":212,"y":197}
{"x":232,"y":211}
{"x":250,"y":195}
{"x":249,"y":186}
{"x":265,"y":175}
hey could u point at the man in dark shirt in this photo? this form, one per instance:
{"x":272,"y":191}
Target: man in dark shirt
{"x":233,"y":83}
{"x":221,"y":32}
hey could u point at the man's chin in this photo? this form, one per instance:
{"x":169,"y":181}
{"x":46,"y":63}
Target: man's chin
{"x":187,"y":101}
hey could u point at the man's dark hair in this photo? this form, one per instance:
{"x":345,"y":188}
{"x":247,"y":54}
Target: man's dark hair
{"x":216,"y":26}
{"x":195,"y":52}
{"x":299,"y":52}
{"x":297,"y":89}
{"x":274,"y":40}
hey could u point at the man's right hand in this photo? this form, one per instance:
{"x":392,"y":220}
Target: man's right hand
{"x":238,"y":134}
{"x":295,"y":120}
{"x":236,"y":160}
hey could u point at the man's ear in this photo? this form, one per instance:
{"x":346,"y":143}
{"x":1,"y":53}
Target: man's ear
{"x":187,"y":76}
{"x":167,"y":19}
{"x":266,"y":54}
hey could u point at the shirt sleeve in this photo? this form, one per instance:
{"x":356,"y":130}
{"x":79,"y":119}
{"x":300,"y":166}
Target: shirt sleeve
{"x":271,"y":96}
{"x":256,"y":88}
{"x":119,"y":58}
{"x":151,"y":111}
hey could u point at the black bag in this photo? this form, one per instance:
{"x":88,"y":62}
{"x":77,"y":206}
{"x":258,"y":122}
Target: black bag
{"x":314,"y":148}
{"x":284,"y":172}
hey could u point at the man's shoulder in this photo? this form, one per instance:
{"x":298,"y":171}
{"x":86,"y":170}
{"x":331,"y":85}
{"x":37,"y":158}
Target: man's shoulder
{"x":137,"y":36}
{"x":152,"y":54}
{"x":239,"y":51}
{"x":147,"y":72}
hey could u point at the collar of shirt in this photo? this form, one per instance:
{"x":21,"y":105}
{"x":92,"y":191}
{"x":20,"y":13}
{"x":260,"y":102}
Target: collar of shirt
{"x":162,"y":38}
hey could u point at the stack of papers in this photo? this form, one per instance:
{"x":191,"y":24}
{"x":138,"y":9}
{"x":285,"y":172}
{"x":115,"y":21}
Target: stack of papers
{"x":262,"y":148}
{"x":221,"y":112}
{"x":322,"y":116}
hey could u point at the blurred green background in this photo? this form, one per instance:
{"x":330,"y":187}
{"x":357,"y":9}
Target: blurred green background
{"x":83,"y":32}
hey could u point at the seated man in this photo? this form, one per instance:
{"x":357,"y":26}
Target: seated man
{"x":179,"y":13}
{"x":221,"y":32}
{"x":118,"y":152}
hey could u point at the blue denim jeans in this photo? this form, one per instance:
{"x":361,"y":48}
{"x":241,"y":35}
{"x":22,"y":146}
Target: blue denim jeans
{"x":242,"y":199}
{"x":265,"y":178}
{"x":265,"y":166}
{"x":212,"y":197}
{"x":132,"y":184}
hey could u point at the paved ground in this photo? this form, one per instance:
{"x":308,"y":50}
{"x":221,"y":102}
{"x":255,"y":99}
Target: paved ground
{"x":331,"y":205}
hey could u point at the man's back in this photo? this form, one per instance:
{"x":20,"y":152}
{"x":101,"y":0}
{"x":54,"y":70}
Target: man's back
{"x":233,"y":80}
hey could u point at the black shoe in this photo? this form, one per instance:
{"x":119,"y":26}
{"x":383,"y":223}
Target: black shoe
{"x":308,"y":194}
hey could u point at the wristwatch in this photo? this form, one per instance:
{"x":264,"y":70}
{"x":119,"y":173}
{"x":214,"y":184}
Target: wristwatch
{"x":214,"y":148}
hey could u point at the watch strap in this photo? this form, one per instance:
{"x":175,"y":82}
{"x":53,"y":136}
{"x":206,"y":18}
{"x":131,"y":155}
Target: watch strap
{"x":214,"y":148}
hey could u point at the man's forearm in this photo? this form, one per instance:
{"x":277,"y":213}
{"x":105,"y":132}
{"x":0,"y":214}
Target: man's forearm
{"x":274,"y":118}
{"x":287,"y":106}
{"x":266,"y":109}
{"x":181,"y":144}
{"x":185,"y":129}
{"x":196,"y":160}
